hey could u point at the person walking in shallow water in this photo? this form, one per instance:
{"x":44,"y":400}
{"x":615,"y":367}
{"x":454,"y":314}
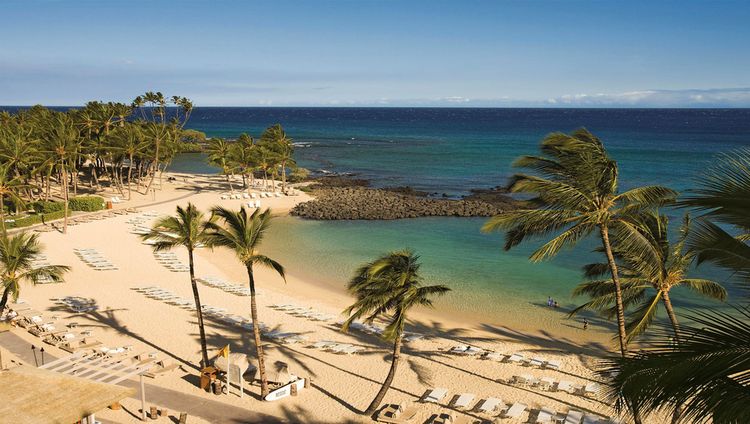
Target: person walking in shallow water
{"x":549,"y":301}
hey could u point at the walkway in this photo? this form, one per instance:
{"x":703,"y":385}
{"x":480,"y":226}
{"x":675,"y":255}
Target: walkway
{"x":210,"y":410}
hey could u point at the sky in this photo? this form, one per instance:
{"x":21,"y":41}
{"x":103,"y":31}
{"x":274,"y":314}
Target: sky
{"x":532,"y":53}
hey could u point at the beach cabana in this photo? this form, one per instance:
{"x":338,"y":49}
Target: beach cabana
{"x":34,"y":395}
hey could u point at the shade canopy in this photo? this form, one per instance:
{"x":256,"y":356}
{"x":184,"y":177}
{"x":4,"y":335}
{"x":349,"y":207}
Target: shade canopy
{"x":32,"y":395}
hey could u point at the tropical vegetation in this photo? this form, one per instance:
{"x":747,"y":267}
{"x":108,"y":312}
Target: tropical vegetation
{"x":388,"y":288}
{"x":242,"y":232}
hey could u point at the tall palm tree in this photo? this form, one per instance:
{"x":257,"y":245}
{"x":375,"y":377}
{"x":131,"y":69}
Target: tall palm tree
{"x":129,"y":140}
{"x":275,"y":139}
{"x":705,"y":376}
{"x":647,"y":279}
{"x":242,"y":233}
{"x":61,"y":145}
{"x":219,"y":155}
{"x":187,"y":229}
{"x":576,"y":188}
{"x":17,"y":254}
{"x":388,"y":288}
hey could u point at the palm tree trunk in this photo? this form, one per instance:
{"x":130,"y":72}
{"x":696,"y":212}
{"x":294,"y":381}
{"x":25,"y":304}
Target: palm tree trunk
{"x":283,"y":176}
{"x":2,"y":220}
{"x":388,"y":380}
{"x":618,"y":289}
{"x":197,"y":298}
{"x":256,"y":335}
{"x":670,"y":313}
{"x":65,"y":196}
{"x":4,"y":300}
{"x":130,"y":173}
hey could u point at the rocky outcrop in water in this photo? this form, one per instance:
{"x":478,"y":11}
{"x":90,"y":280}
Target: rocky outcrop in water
{"x":353,"y":202}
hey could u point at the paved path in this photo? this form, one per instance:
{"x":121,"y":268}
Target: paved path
{"x":210,"y":410}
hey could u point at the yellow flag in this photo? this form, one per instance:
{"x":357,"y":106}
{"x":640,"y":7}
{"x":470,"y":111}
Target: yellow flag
{"x":224,"y":351}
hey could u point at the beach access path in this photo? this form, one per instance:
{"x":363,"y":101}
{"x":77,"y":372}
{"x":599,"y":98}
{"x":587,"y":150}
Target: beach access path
{"x":212,"y":411}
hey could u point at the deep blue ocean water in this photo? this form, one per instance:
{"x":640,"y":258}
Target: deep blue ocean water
{"x":452,"y":151}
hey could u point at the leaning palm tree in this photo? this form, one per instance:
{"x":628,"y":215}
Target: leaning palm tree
{"x":388,"y":288}
{"x":17,"y":254}
{"x":576,"y":192}
{"x":705,"y":377}
{"x":242,"y":233}
{"x":187,"y":229}
{"x":647,"y":279}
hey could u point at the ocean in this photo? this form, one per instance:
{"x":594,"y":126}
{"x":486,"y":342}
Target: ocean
{"x":451,"y":151}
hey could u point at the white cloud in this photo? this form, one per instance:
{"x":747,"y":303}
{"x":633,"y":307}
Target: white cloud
{"x":720,"y":97}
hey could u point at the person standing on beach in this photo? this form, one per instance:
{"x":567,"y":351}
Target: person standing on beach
{"x":549,"y":301}
{"x":585,"y":324}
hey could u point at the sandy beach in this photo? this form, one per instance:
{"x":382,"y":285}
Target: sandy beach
{"x":341,"y":384}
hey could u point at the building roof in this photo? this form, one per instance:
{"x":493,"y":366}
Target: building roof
{"x":32,"y":396}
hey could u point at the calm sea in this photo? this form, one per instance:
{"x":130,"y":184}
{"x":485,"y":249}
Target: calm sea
{"x":452,"y":151}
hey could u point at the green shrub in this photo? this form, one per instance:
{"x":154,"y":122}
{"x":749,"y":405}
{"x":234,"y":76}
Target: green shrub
{"x":86,"y":203}
{"x":35,"y":219}
{"x":42,"y":206}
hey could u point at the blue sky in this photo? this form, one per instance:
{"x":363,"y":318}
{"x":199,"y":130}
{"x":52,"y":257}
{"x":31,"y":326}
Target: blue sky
{"x":350,"y":52}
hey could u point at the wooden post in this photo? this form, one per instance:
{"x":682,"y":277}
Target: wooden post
{"x":183,"y":418}
{"x":154,"y":413}
{"x":143,"y":400}
{"x":293,"y":389}
{"x":307,"y":383}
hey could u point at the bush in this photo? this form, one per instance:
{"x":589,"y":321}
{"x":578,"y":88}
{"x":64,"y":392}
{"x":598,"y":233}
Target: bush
{"x":86,"y":203}
{"x":42,"y":206}
{"x":35,"y":219}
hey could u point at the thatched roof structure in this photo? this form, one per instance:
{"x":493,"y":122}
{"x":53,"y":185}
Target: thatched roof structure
{"x":32,"y":396}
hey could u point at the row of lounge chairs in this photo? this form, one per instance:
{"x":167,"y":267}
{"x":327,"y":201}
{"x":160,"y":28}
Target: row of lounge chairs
{"x":550,"y":384}
{"x":250,"y":196}
{"x":77,"y":304}
{"x":218,"y":283}
{"x":303,"y":312}
{"x":515,"y":358}
{"x":336,"y":347}
{"x":170,"y":261}
{"x":94,"y":259}
{"x":492,"y":405}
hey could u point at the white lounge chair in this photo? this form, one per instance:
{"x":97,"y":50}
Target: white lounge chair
{"x":573,"y":417}
{"x":473,"y":351}
{"x":515,"y":410}
{"x":536,"y":362}
{"x":515,"y":358}
{"x":546,"y":383}
{"x":591,"y":389}
{"x":566,"y":386}
{"x":464,"y":400}
{"x":436,"y":395}
{"x":545,"y":415}
{"x":553,"y":364}
{"x":460,"y":349}
{"x":494,"y":356}
{"x":490,"y":405}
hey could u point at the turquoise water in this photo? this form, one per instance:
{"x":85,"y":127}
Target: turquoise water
{"x":452,"y":151}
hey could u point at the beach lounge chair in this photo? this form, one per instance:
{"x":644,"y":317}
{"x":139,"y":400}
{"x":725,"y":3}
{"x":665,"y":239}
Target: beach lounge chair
{"x":160,"y":368}
{"x":435,"y":395}
{"x":545,"y":415}
{"x":591,"y":389}
{"x":573,"y":417}
{"x":536,"y":362}
{"x":546,"y":383}
{"x":473,"y":351}
{"x":591,"y":419}
{"x":566,"y":386}
{"x":459,"y":349}
{"x":323,"y":344}
{"x":494,"y":356}
{"x":553,"y":364}
{"x":397,"y":414}
{"x":490,"y":405}
{"x":515,"y":358}
{"x":463,"y":400}
{"x":515,"y":410}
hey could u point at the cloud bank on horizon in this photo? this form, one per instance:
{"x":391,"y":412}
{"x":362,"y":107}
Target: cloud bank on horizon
{"x":438,"y":53}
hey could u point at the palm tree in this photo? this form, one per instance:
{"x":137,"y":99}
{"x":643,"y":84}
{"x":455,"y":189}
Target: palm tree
{"x":274,"y":138}
{"x":187,"y":229}
{"x":388,"y":288}
{"x":11,"y":187}
{"x":17,"y":255}
{"x":576,"y":189}
{"x":130,"y":141}
{"x":647,"y":278}
{"x":242,"y":233}
{"x":219,"y":155}
{"x":705,"y":376}
{"x":61,"y":144}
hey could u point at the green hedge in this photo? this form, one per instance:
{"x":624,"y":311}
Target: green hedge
{"x":35,"y":219}
{"x":42,"y":206}
{"x":86,"y":203}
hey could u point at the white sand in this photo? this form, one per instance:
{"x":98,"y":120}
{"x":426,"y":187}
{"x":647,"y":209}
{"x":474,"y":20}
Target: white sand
{"x":343,"y":383}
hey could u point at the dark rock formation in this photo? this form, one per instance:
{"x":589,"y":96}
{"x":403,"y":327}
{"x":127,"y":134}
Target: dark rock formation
{"x":335,"y":203}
